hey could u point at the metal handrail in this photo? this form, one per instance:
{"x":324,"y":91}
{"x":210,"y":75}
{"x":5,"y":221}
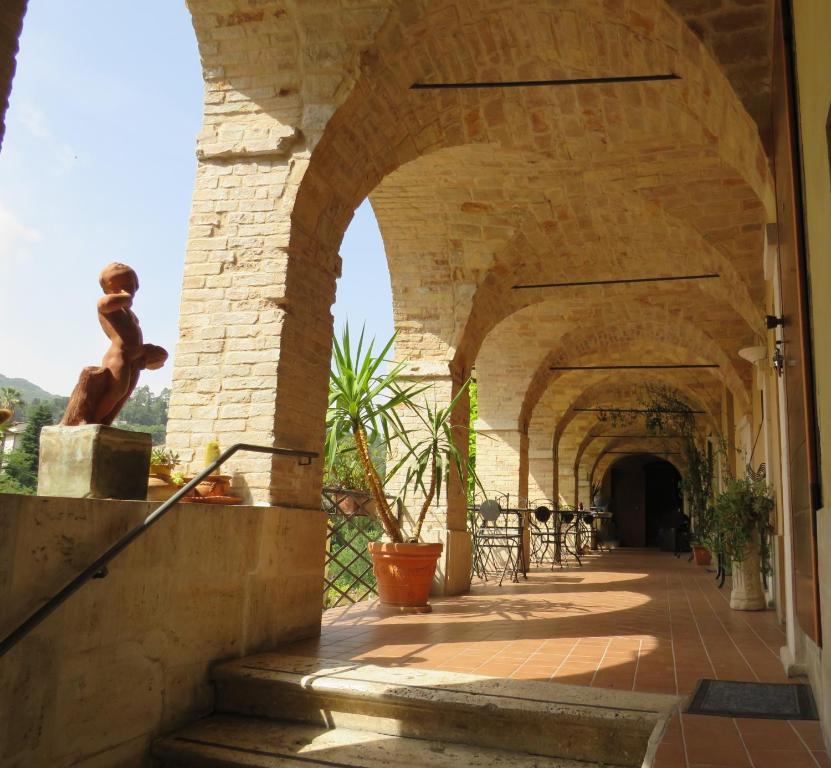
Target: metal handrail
{"x":98,"y":569}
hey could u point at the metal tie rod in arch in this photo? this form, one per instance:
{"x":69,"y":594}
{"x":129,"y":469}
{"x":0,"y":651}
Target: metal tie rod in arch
{"x":620,"y":281}
{"x":634,"y":367}
{"x":548,"y":83}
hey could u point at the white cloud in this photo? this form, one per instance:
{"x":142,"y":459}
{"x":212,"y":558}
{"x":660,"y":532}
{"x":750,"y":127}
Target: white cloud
{"x":15,"y":239}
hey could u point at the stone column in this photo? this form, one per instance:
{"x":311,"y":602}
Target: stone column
{"x":540,"y":475}
{"x":540,"y":465}
{"x":501,"y":457}
{"x":245,"y":324}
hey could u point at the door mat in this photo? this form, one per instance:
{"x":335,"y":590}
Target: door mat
{"x":774,"y":701}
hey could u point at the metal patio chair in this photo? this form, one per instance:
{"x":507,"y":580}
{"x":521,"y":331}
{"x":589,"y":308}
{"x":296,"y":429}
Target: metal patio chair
{"x":498,"y":531}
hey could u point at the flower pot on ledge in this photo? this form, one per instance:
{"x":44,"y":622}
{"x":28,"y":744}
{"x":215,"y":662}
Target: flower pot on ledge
{"x":405,"y":574}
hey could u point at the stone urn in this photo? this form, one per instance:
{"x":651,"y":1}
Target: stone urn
{"x":747,"y":593}
{"x":405,"y":574}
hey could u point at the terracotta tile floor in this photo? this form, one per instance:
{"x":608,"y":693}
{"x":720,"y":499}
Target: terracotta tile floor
{"x":631,"y":619}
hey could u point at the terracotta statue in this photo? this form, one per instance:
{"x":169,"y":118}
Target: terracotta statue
{"x":102,"y":391}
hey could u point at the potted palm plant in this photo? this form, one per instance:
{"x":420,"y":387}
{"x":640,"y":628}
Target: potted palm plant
{"x":364,"y":410}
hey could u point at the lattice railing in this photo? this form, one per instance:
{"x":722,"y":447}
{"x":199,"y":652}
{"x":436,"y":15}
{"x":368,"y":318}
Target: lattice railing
{"x":353,"y":523}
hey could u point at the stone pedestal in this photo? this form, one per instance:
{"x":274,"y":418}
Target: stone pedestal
{"x":94,"y":462}
{"x":748,"y":594}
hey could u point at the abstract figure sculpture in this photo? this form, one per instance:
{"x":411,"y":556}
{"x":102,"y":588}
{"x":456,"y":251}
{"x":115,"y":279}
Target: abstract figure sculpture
{"x":102,"y":391}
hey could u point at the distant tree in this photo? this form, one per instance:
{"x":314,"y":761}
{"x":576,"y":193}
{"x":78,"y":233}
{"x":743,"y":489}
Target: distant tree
{"x":146,"y":412}
{"x":21,"y":465}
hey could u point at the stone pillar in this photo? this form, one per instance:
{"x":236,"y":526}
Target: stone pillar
{"x":501,"y":455}
{"x":566,"y":482}
{"x":243,"y":321}
{"x":540,"y":475}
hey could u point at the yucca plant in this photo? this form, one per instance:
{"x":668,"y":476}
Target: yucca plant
{"x":362,"y":412}
{"x":432,"y":457}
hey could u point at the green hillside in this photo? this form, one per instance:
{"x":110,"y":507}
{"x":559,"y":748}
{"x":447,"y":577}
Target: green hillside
{"x":28,"y":390}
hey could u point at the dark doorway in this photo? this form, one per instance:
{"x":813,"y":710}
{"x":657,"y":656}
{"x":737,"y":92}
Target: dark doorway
{"x":645,"y":501}
{"x":663,"y":504}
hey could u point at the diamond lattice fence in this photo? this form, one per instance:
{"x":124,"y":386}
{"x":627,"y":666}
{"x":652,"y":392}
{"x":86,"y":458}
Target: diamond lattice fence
{"x":352,"y":525}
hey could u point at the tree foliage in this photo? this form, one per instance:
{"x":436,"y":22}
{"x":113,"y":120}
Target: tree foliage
{"x":21,"y":465}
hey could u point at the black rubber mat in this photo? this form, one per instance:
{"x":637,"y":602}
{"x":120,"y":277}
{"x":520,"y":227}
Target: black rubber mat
{"x":773,"y":701}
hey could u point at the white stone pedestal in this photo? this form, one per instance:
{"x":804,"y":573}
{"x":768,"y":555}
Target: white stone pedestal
{"x":747,"y":594}
{"x":94,"y":462}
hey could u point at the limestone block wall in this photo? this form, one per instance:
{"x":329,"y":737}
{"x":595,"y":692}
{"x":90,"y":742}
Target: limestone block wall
{"x":127,"y":657}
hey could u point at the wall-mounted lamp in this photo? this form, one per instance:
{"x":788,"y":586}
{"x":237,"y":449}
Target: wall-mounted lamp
{"x":771,"y":321}
{"x":778,"y":360}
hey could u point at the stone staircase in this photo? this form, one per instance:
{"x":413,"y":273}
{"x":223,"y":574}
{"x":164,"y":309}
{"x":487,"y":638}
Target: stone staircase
{"x":277,"y":710}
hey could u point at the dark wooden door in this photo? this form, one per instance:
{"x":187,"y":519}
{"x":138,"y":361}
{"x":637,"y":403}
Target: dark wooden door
{"x":796,"y":332}
{"x":628,"y":502}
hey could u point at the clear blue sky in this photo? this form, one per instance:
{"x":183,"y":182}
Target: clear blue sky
{"x":97,"y":165}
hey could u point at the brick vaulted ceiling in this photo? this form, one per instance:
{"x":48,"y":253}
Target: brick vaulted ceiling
{"x":480,"y":189}
{"x":739,"y":34}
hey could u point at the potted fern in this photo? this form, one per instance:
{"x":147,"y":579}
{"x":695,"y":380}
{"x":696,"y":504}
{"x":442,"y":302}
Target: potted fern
{"x":364,"y":410}
{"x":740,"y":523}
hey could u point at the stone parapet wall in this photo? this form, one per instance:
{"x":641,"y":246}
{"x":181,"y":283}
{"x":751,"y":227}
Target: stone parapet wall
{"x":127,"y":657}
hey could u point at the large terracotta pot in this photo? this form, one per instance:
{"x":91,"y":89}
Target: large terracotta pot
{"x":702,"y":555}
{"x":405,"y":574}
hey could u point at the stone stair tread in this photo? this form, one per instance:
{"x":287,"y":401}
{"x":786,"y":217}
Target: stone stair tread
{"x":332,"y":676}
{"x":225,"y":741}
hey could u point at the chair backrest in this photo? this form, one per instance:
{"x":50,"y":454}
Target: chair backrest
{"x":542,"y":514}
{"x":490,"y":510}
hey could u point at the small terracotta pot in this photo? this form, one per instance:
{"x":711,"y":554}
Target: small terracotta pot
{"x":702,"y":555}
{"x":405,"y":574}
{"x":214,"y":485}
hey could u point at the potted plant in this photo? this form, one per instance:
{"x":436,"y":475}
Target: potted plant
{"x":160,"y":486}
{"x":363,"y":410}
{"x":740,"y":523}
{"x":162,"y":462}
{"x":346,"y":484}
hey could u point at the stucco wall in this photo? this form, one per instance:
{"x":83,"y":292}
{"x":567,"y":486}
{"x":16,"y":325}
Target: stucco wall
{"x":812,"y":21}
{"x":127,"y":657}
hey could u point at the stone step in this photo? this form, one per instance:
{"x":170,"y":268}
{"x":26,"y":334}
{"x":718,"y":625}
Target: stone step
{"x":224,"y":741}
{"x":534,"y":717}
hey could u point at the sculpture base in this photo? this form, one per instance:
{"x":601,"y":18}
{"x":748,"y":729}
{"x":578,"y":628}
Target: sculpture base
{"x":94,"y":461}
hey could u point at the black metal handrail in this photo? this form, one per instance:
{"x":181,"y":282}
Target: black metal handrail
{"x":98,"y":569}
